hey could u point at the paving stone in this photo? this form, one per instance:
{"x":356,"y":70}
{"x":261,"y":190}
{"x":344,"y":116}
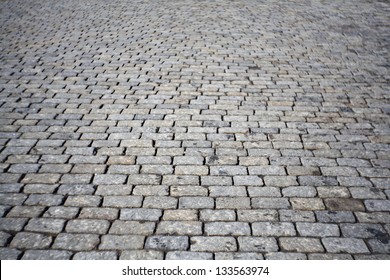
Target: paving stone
{"x":188,"y":191}
{"x":3,"y":210}
{"x":76,"y":242}
{"x":9,"y":254}
{"x":227,"y":170}
{"x":221,"y":160}
{"x":329,"y":256}
{"x":191,"y":170}
{"x":88,"y":168}
{"x":99,"y":213}
{"x":354,"y":181}
{"x":180,"y":215}
{"x":180,"y":180}
{"x":239,"y":256}
{"x":317,"y":181}
{"x":179,"y":228}
{"x":257,"y":244}
{"x":285,"y":256}
{"x":196,"y":202}
{"x":232,"y":203}
{"x":46,"y":225}
{"x":227,"y":228}
{"x":12,"y":224}
{"x":345,"y":245}
{"x":188,"y":160}
{"x":307,"y":204}
{"x":300,"y":191}
{"x":373,"y":217}
{"x":83,"y":201}
{"x":372,"y":257}
{"x":161,"y":202}
{"x":257,"y":215}
{"x":218,"y":191}
{"x":47,"y":255}
{"x":10,"y":188}
{"x":141,"y":255}
{"x":380,"y":245}
{"x":167,"y":243}
{"x":76,"y":189}
{"x":367,"y":193}
{"x":61,"y":212}
{"x":213,"y":244}
{"x":4,"y":238}
{"x":301,"y":244}
{"x":217,"y":215}
{"x":266,"y":170}
{"x":365,"y":231}
{"x":97,"y":255}
{"x":121,"y":242}
{"x":247,"y":180}
{"x":140,"y":214}
{"x":122,"y":201}
{"x":177,"y":255}
{"x":344,"y":204}
{"x":296,"y":216}
{"x":377,"y":205}
{"x":273,"y":229}
{"x":26,"y":240}
{"x":275,"y":203}
{"x":264,"y":192}
{"x":216,"y":181}
{"x":12,"y":199}
{"x":25,"y":211}
{"x":335,"y":216}
{"x":317,"y":229}
{"x":112,"y":190}
{"x":132,"y":227}
{"x":280,"y":181}
{"x":333,"y":192}
{"x":40,"y":188}
{"x":76,"y":178}
{"x":109,"y":179}
{"x":87,"y":226}
{"x":144,"y":179}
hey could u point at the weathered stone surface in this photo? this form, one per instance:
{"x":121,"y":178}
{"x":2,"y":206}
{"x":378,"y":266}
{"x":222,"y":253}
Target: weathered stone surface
{"x":213,"y":244}
{"x":167,"y":243}
{"x":77,"y":242}
{"x":177,"y":255}
{"x":273,"y":229}
{"x":96,"y":255}
{"x":26,"y":240}
{"x":301,"y":244}
{"x":345,"y":245}
{"x":258,"y":244}
{"x":47,"y":255}
{"x":253,"y":130}
{"x":227,"y":228}
{"x":318,"y":229}
{"x":121,"y":242}
{"x":142,"y":255}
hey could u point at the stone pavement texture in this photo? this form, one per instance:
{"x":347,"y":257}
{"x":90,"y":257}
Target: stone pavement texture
{"x":246,"y":129}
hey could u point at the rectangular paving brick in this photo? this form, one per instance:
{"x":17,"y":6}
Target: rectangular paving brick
{"x":345,"y":245}
{"x":121,"y":242}
{"x":213,"y":244}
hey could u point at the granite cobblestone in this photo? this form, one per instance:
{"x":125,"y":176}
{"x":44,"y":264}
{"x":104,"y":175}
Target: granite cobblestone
{"x":262,"y":135}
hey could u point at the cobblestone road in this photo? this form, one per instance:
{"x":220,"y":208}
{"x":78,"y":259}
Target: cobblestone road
{"x":194,"y":129}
